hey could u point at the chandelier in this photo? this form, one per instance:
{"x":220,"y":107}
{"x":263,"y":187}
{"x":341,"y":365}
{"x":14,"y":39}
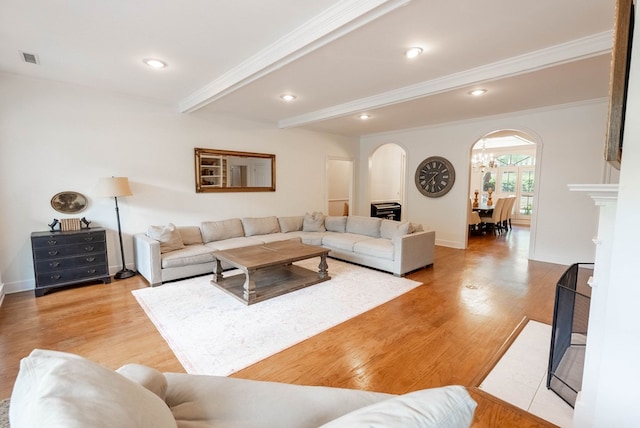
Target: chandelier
{"x":481,"y":161}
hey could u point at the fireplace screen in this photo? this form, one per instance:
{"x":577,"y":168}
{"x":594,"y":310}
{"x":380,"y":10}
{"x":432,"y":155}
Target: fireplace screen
{"x":569,"y":332}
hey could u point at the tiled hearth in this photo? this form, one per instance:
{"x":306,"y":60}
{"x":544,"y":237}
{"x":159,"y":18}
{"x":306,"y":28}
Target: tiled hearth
{"x":520,"y":377}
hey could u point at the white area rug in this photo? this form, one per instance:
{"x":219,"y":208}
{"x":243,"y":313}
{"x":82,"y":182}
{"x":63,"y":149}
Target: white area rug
{"x":213,"y":333}
{"x":520,"y":377}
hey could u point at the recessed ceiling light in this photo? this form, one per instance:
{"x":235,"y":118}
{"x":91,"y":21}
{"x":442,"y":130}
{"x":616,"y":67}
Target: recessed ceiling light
{"x":364,"y":116}
{"x":154,"y":63}
{"x":478,"y":92}
{"x":413,"y":52}
{"x":288,"y":97}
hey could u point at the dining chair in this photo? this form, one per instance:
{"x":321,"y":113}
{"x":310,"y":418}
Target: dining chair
{"x":473,"y":218}
{"x":512,"y":202}
{"x":493,"y":221}
{"x":506,"y":213}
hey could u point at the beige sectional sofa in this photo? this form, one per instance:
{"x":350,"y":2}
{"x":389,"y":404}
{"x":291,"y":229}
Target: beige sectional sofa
{"x":55,"y":389}
{"x":166,"y":253}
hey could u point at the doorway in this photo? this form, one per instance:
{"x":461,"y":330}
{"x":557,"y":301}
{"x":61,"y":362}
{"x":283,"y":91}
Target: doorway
{"x":387,"y":166}
{"x":503,"y":164}
{"x":339,"y":186}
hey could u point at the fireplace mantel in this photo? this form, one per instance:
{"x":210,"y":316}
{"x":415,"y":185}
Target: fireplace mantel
{"x":605,"y":196}
{"x":600,"y":193}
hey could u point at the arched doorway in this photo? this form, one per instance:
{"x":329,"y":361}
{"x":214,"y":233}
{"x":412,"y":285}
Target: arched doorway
{"x":503,"y":164}
{"x":387,"y":175}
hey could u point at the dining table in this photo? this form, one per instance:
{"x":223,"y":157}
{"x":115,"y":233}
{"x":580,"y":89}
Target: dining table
{"x":484,"y":210}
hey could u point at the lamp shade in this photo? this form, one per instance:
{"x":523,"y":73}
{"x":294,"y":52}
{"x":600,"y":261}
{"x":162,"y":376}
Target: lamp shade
{"x":113,"y":186}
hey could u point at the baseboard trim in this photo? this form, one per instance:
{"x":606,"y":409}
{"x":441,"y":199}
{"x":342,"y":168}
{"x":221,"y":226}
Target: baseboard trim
{"x":20,"y":286}
{"x":450,"y":244}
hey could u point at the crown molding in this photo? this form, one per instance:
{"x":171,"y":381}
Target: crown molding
{"x":498,"y":116}
{"x":586,"y":47}
{"x":338,"y":20}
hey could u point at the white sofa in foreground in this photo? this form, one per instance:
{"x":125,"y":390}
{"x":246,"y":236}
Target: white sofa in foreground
{"x":166,"y":253}
{"x":60,"y":390}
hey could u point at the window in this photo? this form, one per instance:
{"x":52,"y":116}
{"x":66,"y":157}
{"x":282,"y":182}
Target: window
{"x":488,"y":181}
{"x":508,"y":179}
{"x":516,"y":160}
{"x":514,"y":180}
{"x":527,"y":181}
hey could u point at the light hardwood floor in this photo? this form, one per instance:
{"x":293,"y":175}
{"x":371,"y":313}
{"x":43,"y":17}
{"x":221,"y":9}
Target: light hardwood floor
{"x":451,"y":330}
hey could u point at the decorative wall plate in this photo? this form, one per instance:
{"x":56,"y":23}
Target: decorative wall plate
{"x":68,"y":202}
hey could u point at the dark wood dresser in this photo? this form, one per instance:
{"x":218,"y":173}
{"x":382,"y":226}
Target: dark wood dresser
{"x":67,"y":258}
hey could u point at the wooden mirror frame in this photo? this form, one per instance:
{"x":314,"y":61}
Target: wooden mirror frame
{"x":621,"y":57}
{"x":213,"y":171}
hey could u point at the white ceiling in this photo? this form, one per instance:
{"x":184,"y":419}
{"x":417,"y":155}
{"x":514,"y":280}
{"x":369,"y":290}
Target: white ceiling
{"x":341,"y":58}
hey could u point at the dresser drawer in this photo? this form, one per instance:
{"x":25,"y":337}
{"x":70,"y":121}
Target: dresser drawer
{"x":69,"y":250}
{"x":54,"y":240}
{"x":58,"y":264}
{"x":71,"y":276}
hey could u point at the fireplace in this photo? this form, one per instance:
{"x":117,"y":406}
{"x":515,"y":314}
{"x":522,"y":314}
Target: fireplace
{"x":569,"y":332}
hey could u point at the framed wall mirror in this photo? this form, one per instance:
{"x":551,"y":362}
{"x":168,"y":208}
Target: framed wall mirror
{"x":622,"y":43}
{"x":231,"y":171}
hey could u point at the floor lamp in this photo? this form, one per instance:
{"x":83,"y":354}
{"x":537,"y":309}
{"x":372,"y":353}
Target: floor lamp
{"x":116,"y":187}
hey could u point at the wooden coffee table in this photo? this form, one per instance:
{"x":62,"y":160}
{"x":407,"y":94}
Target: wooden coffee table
{"x":268,"y":270}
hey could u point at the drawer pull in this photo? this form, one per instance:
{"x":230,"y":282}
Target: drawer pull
{"x":55,"y":277}
{"x":52,"y":242}
{"x":88,"y":238}
{"x":54,"y":264}
{"x":53,"y":253}
{"x":91,"y":271}
{"x":88,"y":248}
{"x":90,"y":259}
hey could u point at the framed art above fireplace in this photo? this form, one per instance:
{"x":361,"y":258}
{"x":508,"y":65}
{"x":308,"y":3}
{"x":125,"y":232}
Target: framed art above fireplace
{"x":621,"y":56}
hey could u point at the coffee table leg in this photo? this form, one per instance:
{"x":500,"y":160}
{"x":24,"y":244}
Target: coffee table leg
{"x":322,"y":272}
{"x":217,"y":272}
{"x":249,"y":286}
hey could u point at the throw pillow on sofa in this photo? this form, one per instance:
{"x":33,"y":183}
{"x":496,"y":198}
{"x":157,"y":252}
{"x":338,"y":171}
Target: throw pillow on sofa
{"x":290,"y":224}
{"x":59,"y":390}
{"x":415,"y":228}
{"x":168,"y":237}
{"x":313,"y":222}
{"x":190,"y":234}
{"x":446,"y":407}
{"x":390,"y":229}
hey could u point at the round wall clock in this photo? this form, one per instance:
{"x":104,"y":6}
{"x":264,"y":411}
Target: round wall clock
{"x":435,"y":176}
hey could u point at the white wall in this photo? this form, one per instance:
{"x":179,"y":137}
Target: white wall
{"x":385,"y":174}
{"x":571,"y":146}
{"x":56,"y":137}
{"x":615,"y":387}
